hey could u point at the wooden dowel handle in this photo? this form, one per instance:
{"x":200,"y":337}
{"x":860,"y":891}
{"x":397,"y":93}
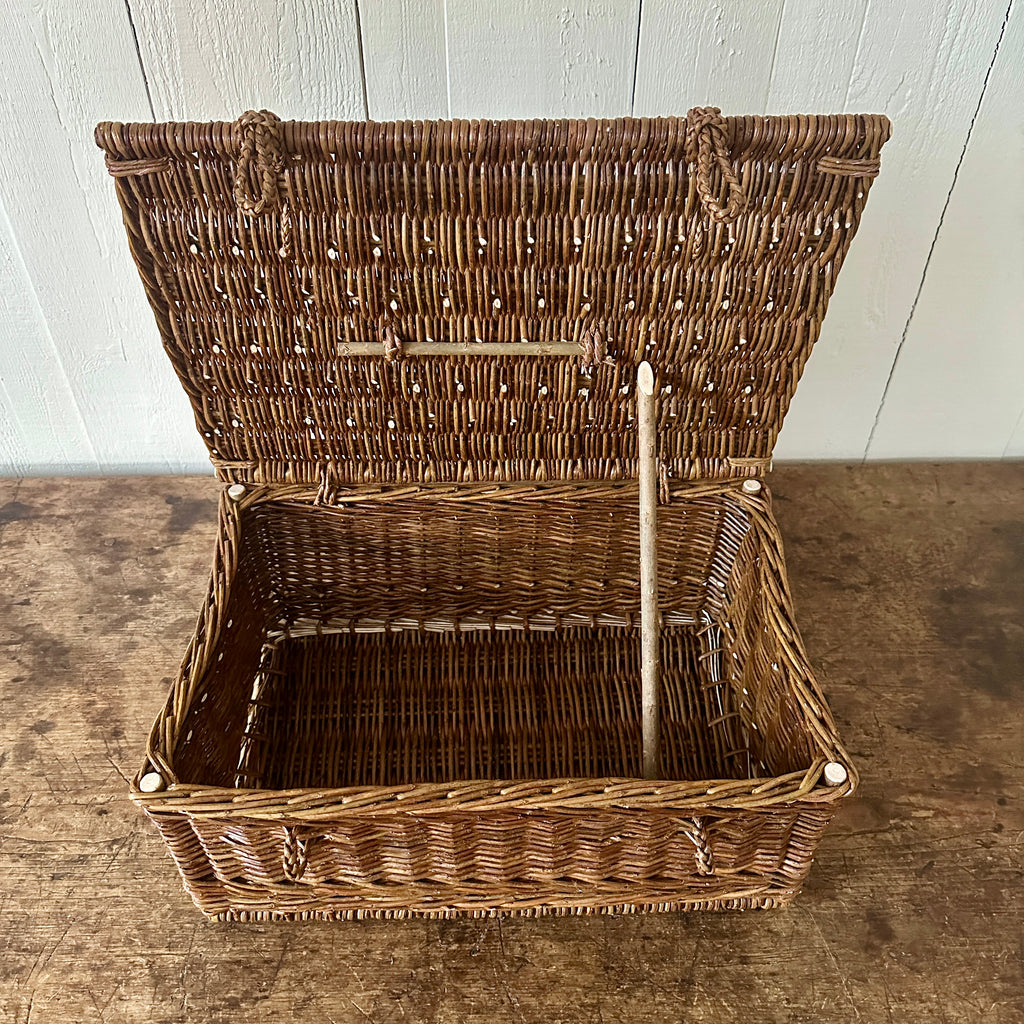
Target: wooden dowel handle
{"x":466,"y":348}
{"x":650,"y":627}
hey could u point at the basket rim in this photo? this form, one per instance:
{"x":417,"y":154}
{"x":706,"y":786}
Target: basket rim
{"x":486,"y":795}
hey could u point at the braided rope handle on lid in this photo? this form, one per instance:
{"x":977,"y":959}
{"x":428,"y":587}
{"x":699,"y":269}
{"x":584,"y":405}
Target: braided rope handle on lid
{"x":259,"y":138}
{"x":260,"y":142}
{"x":705,"y":147}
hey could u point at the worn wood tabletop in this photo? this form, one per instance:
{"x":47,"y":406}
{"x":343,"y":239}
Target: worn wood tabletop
{"x":909,"y":585}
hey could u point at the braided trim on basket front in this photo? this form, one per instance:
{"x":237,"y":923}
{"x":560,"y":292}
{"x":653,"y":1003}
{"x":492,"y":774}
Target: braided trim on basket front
{"x":702,"y":848}
{"x":260,"y":142}
{"x":706,"y":145}
{"x":295,"y":858}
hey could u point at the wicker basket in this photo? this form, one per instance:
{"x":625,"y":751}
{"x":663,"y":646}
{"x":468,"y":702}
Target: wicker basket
{"x":415,"y":686}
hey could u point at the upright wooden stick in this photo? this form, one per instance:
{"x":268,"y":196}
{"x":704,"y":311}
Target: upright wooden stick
{"x":650,"y":626}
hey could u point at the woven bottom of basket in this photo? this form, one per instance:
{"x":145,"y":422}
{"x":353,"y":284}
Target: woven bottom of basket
{"x":386,"y":709}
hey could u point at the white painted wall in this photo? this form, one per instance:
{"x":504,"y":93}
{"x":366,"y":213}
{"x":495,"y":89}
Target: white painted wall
{"x":921,"y":355}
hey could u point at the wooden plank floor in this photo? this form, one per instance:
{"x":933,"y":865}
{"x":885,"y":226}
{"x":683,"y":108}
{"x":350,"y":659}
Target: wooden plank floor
{"x":909,"y":584}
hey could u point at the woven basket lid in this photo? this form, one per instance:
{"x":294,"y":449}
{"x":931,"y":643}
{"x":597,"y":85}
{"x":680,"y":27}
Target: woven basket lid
{"x":470,"y":300}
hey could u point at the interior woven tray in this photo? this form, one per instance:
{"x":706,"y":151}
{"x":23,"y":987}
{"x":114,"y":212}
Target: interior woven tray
{"x":401,"y":641}
{"x":387,"y":709}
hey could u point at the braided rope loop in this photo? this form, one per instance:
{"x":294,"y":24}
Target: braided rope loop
{"x":705,"y":147}
{"x":295,"y":859}
{"x":392,"y":344}
{"x":703,"y":853}
{"x":258,"y":136}
{"x":593,"y":349}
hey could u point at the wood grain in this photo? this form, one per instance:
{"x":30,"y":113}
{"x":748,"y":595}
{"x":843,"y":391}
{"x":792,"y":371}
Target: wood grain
{"x":815,"y":54}
{"x":924,"y":66}
{"x":909,"y":582}
{"x":958,"y":386}
{"x":39,"y":418}
{"x":694,"y":55}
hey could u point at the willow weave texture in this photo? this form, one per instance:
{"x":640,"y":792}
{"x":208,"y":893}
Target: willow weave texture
{"x":414,"y":686}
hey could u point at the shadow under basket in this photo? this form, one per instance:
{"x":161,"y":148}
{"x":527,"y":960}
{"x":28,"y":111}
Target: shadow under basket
{"x":408,"y":703}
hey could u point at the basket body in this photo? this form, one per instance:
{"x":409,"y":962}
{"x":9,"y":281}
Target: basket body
{"x":419,"y":702}
{"x":411,"y":350}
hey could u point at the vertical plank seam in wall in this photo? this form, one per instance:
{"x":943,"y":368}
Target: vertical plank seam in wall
{"x":775,"y":53}
{"x":20,"y":461}
{"x":138,"y":55}
{"x":636,"y":54}
{"x":855,"y":63}
{"x":935,"y":236}
{"x":44,"y":324}
{"x":1013,"y":434}
{"x":362,"y":62}
{"x":447,"y":61}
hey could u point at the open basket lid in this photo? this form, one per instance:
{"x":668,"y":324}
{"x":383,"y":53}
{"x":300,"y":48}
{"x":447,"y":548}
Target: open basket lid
{"x":470,"y":300}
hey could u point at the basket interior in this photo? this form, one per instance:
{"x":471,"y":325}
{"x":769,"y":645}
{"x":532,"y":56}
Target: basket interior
{"x":410,"y":641}
{"x":385,"y":709}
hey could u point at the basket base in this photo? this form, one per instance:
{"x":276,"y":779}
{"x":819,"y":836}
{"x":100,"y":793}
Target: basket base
{"x":747,"y":903}
{"x":237,"y":901}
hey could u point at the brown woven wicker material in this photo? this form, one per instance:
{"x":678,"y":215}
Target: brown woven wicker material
{"x":329,"y":715}
{"x":707,"y":245}
{"x":414,"y":687}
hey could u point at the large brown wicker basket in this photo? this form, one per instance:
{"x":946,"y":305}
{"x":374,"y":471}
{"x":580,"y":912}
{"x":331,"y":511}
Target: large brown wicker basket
{"x":412,"y":351}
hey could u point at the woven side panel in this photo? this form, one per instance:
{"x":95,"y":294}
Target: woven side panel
{"x":708,"y":246}
{"x":499,"y":861}
{"x":202,"y":729}
{"x":786,"y":720}
{"x":491,"y":848}
{"x":441,"y":560}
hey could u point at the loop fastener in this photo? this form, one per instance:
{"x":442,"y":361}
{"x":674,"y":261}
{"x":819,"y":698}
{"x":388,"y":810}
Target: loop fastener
{"x":295,"y":858}
{"x":392,"y":344}
{"x":593,"y":348}
{"x":260,"y":141}
{"x":849,"y":167}
{"x":706,"y":145}
{"x":128,"y":168}
{"x":703,"y":854}
{"x":327,"y":489}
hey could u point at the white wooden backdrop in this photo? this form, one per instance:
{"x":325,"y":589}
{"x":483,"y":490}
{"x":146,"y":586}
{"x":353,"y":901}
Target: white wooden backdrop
{"x":921,"y":354}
